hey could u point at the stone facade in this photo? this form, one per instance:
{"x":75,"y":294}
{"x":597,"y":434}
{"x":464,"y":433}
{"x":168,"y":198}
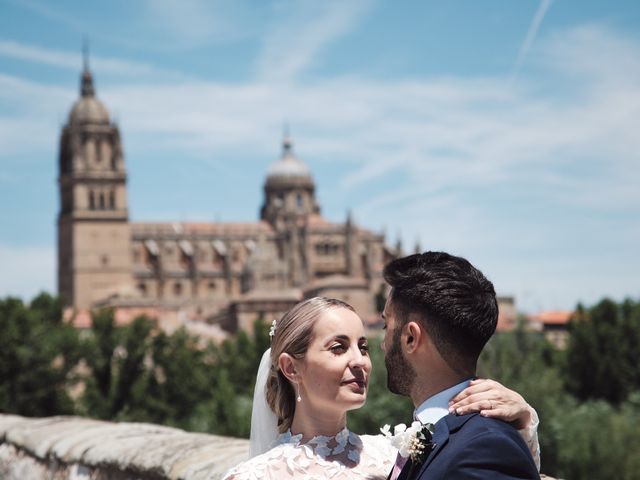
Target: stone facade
{"x":225,"y":273}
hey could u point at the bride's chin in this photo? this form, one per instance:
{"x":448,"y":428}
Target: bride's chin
{"x":359,"y":402}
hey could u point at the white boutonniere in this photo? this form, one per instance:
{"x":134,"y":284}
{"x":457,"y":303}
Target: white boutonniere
{"x":415,"y":441}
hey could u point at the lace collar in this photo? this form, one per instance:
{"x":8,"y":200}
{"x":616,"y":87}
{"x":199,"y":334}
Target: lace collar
{"x":344,"y":442}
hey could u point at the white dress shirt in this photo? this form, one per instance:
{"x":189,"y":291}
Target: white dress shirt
{"x":436,"y":407}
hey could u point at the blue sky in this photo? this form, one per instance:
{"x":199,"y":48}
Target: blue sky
{"x":505,"y":131}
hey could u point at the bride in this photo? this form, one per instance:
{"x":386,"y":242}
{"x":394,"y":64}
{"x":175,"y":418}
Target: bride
{"x":317,"y":369}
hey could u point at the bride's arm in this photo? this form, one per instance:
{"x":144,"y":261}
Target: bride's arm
{"x":492,"y":399}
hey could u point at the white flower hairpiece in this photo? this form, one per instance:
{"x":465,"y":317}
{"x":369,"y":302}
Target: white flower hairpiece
{"x":272,"y":330}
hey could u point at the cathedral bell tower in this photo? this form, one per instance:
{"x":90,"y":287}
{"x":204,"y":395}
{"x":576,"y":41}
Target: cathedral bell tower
{"x":94,"y":238}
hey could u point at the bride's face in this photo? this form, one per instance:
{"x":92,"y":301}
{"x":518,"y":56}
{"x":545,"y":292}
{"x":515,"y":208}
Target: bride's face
{"x":334,"y":373}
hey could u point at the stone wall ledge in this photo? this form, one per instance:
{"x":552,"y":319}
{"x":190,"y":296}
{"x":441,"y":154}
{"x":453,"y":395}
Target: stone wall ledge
{"x":74,"y":448}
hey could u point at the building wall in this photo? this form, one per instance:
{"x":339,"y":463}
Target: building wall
{"x":101,"y":261}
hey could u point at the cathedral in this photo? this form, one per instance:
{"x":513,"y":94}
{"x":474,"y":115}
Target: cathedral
{"x":223,"y":274}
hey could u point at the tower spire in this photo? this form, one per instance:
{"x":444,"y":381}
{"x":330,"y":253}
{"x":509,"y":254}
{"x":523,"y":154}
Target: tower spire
{"x":85,"y":53}
{"x":86,"y":84}
{"x":287,"y":143}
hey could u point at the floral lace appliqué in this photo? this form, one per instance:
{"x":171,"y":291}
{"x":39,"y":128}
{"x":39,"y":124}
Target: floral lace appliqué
{"x":345,"y":456}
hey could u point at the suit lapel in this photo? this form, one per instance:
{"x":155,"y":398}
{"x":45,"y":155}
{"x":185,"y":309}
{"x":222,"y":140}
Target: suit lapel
{"x":440,"y":438}
{"x":445,"y":427}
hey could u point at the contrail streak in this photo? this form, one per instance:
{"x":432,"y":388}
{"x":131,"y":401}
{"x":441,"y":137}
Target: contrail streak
{"x":529,"y":39}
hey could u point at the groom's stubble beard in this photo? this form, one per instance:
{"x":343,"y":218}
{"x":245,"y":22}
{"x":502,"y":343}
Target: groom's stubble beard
{"x":400,"y":374}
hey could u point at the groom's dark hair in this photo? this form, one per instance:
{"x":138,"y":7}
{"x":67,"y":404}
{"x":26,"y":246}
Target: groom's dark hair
{"x":452,"y":300}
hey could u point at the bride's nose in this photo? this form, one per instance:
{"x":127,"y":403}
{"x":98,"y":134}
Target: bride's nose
{"x":358,"y":360}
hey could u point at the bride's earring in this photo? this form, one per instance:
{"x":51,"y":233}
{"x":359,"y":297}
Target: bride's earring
{"x":298,"y":397}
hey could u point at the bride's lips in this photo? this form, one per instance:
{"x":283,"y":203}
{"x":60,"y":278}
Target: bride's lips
{"x":356,"y":384}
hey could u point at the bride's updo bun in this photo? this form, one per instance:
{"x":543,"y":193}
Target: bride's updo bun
{"x":293,"y":334}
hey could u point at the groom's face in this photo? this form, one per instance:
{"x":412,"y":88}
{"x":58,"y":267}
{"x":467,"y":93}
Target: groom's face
{"x":400,"y":373}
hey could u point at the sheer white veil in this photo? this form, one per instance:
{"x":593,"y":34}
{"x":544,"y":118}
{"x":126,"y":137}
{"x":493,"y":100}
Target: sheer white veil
{"x":264,"y":423}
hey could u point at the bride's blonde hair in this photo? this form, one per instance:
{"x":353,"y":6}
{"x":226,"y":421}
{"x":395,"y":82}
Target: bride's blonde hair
{"x":293,"y":334}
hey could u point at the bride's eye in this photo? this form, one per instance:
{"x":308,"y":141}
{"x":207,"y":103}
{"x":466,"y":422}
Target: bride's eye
{"x":364,"y":348}
{"x":338,"y":348}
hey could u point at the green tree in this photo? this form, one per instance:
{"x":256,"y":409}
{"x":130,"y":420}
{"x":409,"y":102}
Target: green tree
{"x":176,"y":380}
{"x":235,"y":368}
{"x":226,"y":412}
{"x":598,"y":440}
{"x":115,"y":358}
{"x":38,"y":353}
{"x":602,"y":354}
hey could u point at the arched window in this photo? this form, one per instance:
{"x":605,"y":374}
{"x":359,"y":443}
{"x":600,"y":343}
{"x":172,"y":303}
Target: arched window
{"x":177,"y":289}
{"x":299,"y":200}
{"x":101,"y":201}
{"x":112,"y":200}
{"x":92,"y":200}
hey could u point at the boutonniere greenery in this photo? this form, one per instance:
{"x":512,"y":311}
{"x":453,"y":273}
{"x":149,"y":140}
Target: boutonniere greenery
{"x":414,"y":441}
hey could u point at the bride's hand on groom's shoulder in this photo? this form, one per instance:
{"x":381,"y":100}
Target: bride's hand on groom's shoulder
{"x":494,"y":400}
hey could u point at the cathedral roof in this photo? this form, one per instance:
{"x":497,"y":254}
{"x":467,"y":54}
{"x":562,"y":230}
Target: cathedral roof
{"x":88,"y":109}
{"x":151,"y":229}
{"x":288,"y":169}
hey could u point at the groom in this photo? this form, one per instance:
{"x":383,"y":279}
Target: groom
{"x":440,"y":313}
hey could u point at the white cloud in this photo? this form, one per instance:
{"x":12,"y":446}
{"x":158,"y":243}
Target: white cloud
{"x":159,"y":25}
{"x":198,"y":22}
{"x":301,"y":33}
{"x":30,"y":114}
{"x":455,"y":131}
{"x":73,"y":61}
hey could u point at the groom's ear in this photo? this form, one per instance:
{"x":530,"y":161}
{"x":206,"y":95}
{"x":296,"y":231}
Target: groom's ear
{"x":287,"y":366}
{"x":413,"y":336}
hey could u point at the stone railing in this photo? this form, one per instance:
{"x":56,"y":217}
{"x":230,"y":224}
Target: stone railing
{"x":72,"y":448}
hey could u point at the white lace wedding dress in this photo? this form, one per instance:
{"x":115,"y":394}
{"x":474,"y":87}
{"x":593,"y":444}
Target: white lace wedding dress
{"x":343,"y":457}
{"x":346,"y":456}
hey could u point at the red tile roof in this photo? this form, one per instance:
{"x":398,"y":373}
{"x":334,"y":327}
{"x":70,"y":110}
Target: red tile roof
{"x":552,"y":317}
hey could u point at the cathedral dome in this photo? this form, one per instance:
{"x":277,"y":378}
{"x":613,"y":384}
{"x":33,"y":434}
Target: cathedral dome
{"x":88,"y":109}
{"x":288,"y":168}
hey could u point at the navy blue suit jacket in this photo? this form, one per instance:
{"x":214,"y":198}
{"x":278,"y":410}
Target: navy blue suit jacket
{"x":472,"y":446}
